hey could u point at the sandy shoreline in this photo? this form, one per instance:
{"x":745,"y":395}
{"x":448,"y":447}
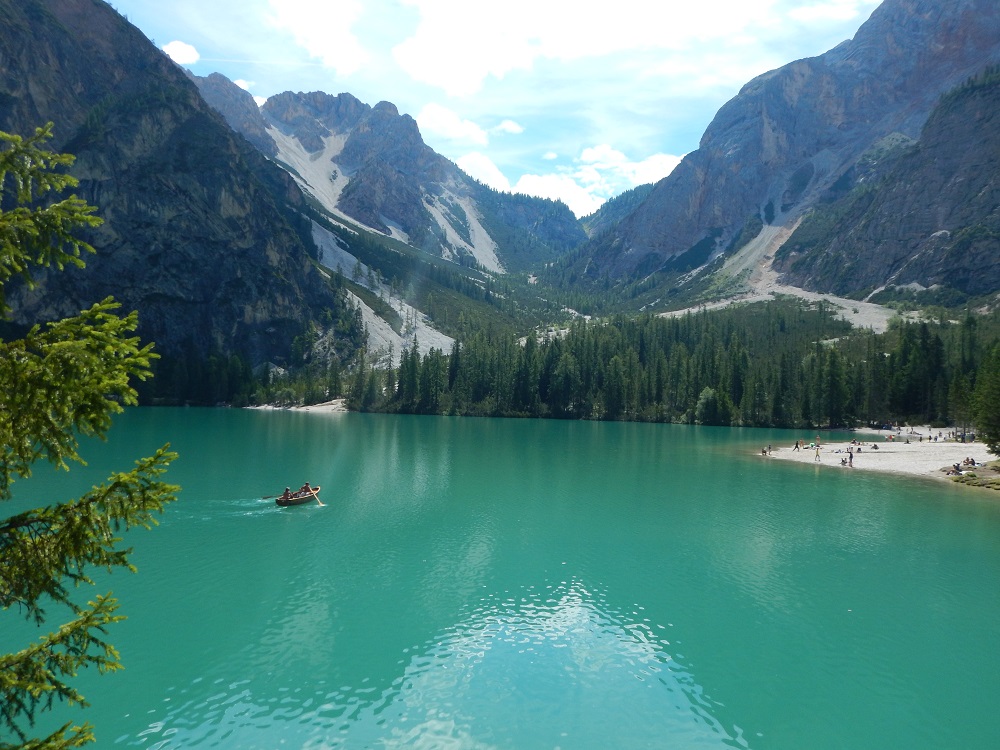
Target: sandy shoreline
{"x":918,"y":458}
{"x":924,"y":458}
{"x":336,"y":406}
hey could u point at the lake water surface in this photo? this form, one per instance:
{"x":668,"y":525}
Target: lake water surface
{"x":515,"y":584}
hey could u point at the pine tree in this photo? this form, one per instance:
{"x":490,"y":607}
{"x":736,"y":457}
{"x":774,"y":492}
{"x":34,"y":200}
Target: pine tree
{"x":987,"y":401}
{"x":59,"y":383}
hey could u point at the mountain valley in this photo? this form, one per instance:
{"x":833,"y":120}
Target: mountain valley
{"x":259,"y":231}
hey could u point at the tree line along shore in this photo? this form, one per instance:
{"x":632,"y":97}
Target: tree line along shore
{"x":785,"y":363}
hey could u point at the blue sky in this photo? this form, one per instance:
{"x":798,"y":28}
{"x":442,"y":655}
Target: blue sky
{"x":576,"y":100}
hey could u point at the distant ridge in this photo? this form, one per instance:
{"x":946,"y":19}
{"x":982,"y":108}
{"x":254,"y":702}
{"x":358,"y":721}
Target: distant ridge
{"x":370,"y":165}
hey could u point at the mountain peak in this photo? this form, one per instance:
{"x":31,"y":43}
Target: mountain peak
{"x":386,"y":108}
{"x":771,"y":151}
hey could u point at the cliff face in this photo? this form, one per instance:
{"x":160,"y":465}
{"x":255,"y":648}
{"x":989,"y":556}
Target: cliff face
{"x":238,"y":108}
{"x":370,"y":164}
{"x":932,"y":220}
{"x":790,"y":134}
{"x":200,"y":233}
{"x":613,"y":211}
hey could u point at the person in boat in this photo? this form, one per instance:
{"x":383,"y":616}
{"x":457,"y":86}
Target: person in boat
{"x":305,"y":488}
{"x":286,"y":494}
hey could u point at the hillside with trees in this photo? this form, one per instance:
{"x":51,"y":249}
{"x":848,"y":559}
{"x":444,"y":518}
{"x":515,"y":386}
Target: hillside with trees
{"x":780,"y":364}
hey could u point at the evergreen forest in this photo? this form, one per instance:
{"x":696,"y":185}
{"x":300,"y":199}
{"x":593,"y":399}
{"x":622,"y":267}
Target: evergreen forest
{"x":785,"y":363}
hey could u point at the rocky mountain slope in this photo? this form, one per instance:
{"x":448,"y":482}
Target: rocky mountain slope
{"x":201,"y":233}
{"x":930,"y":222}
{"x":370,"y":165}
{"x":614,"y":210}
{"x":238,"y":108}
{"x":775,"y":149}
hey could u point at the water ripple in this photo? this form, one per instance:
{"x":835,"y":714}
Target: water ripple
{"x":550,"y":666}
{"x":543,"y":668}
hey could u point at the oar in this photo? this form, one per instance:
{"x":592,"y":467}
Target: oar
{"x":318,"y":501}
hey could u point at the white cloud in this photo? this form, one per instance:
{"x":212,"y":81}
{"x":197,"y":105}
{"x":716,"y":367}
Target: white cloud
{"x":831,"y":10}
{"x":561,"y":187}
{"x":481,"y":167}
{"x":647,"y":77}
{"x":509,"y":126}
{"x":443,"y":122}
{"x":603,"y":160}
{"x":453,"y":49}
{"x":181,"y":53}
{"x":722,"y":69}
{"x":260,"y":100}
{"x":654,"y":168}
{"x":600,"y":173}
{"x":323,"y":30}
{"x":583,"y":190}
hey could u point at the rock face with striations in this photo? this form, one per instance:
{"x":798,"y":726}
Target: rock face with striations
{"x":238,"y":108}
{"x":200,"y":232}
{"x":793,"y":132}
{"x":932,"y":220}
{"x":370,"y":164}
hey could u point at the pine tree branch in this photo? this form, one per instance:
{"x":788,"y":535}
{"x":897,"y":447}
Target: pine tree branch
{"x":40,"y":417}
{"x":34,"y":234}
{"x":33,"y":680}
{"x":47,"y":548}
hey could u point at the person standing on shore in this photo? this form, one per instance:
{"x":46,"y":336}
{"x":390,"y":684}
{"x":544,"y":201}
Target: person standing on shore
{"x":817,"y":453}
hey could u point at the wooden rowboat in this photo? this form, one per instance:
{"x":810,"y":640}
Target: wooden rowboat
{"x":299,"y":498}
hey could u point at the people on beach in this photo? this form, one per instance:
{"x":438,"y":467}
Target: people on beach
{"x":797,"y":445}
{"x":946,"y":456}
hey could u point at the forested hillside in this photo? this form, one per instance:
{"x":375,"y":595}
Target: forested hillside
{"x":781,"y":364}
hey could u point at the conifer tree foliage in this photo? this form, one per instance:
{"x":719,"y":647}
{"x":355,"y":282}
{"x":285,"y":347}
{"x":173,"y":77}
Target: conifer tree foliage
{"x":785,"y":363}
{"x":61,"y":382}
{"x":987,"y":401}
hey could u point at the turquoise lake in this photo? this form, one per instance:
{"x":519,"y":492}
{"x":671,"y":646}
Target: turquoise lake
{"x":520,"y":584}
